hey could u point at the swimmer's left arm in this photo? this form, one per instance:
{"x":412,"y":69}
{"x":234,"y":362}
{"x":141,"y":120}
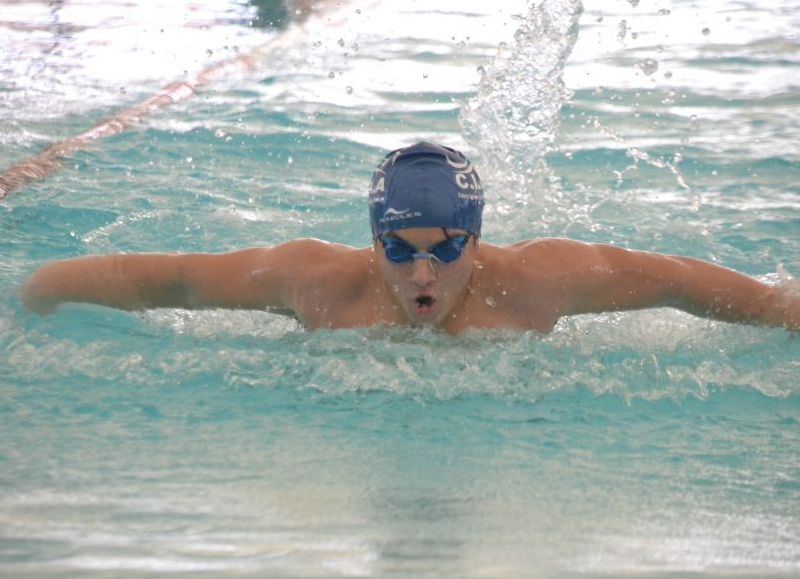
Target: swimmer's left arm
{"x":608,"y":278}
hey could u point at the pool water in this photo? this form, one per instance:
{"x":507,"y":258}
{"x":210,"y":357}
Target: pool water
{"x":239,"y":444}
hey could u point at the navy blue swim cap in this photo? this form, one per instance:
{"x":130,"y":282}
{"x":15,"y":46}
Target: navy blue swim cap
{"x":425,"y":185}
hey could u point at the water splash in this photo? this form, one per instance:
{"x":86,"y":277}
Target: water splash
{"x":513,"y":119}
{"x":650,"y":356}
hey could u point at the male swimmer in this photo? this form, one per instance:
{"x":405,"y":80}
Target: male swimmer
{"x":427,"y":266}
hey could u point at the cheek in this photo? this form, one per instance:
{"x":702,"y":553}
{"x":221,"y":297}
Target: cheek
{"x":393,"y":275}
{"x":456,"y":278}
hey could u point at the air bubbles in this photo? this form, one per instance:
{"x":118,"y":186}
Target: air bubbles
{"x":633,"y":3}
{"x":706,"y":31}
{"x":664,"y":12}
{"x":670,"y":98}
{"x":349,"y":89}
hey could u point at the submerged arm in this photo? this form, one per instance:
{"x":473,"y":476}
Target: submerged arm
{"x":607,"y":278}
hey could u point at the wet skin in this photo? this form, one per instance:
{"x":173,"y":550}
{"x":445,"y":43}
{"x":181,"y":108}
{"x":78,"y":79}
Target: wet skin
{"x":528,"y":285}
{"x":428,"y":290}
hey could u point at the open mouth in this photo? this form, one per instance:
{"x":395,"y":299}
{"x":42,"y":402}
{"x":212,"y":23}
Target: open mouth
{"x":424,"y":304}
{"x":424,"y":301}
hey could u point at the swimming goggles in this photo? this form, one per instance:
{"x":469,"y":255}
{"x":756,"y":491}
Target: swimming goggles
{"x":399,"y":251}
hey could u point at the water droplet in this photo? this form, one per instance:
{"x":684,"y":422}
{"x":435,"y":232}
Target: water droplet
{"x":209,"y":52}
{"x":633,"y":3}
{"x":340,"y":42}
{"x":668,"y":74}
{"x":622,"y":30}
{"x":647,"y":66}
{"x":316,"y":44}
{"x":706,"y":31}
{"x":331,"y":74}
{"x":349,"y":89}
{"x":290,"y":160}
{"x":424,"y":75}
{"x":664,"y":12}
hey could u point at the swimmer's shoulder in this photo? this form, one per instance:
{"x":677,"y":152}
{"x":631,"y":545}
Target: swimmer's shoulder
{"x":540,"y":261}
{"x":539,"y":251}
{"x":310,"y":250}
{"x":315,"y":261}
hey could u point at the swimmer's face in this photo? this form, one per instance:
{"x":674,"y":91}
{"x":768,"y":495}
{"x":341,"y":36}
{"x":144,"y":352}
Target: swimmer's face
{"x":427,"y":289}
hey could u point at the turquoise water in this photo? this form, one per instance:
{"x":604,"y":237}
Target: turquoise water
{"x":239,"y":444}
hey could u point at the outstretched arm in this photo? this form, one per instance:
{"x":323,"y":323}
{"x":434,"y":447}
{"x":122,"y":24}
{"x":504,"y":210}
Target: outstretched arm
{"x":252,"y":278}
{"x":607,"y":278}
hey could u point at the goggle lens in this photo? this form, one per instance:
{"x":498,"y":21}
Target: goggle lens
{"x":449,"y":250}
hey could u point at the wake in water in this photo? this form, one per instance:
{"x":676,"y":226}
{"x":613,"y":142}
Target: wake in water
{"x":513,"y":119}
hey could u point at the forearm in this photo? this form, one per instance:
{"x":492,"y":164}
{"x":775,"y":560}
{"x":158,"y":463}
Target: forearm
{"x":623,"y":280}
{"x":126,"y":282}
{"x":723,"y":294}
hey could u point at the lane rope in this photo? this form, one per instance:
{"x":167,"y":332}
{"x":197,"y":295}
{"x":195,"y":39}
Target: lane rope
{"x":44,"y":164}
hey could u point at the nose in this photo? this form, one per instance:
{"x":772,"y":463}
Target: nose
{"x":424,"y":272}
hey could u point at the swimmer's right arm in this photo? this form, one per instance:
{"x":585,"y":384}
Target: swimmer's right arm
{"x":257,"y":278}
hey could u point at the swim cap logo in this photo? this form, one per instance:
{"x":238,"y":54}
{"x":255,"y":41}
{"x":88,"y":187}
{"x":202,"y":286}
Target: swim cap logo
{"x":377,"y":190}
{"x":392,"y":214}
{"x":466,"y":179}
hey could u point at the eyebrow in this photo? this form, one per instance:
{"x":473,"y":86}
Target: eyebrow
{"x":447,"y":235}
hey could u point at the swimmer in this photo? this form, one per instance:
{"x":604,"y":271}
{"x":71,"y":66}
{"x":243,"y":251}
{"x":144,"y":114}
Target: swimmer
{"x":427,"y":266}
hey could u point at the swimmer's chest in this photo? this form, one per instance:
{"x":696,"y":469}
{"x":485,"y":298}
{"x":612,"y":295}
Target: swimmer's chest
{"x":496,"y":310}
{"x":348,"y":312}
